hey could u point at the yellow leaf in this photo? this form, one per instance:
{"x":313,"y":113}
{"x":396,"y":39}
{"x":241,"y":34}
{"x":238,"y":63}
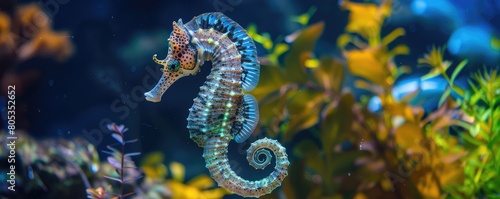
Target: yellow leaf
{"x":303,"y":19}
{"x":360,"y":196}
{"x":280,"y":49}
{"x":398,"y":32}
{"x":428,"y":186}
{"x":366,"y":18}
{"x":400,"y":50}
{"x":408,"y":135}
{"x":311,"y":63}
{"x":303,"y":44}
{"x":153,"y":166}
{"x":201,"y":182}
{"x":365,"y":85}
{"x":252,"y":30}
{"x":177,"y":170}
{"x":329,"y":74}
{"x":214,"y":193}
{"x":368,"y":63}
{"x":434,"y":59}
{"x":343,"y":40}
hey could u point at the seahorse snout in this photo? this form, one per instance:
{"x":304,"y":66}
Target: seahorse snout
{"x":171,"y":74}
{"x":154,"y":95}
{"x":151,"y":97}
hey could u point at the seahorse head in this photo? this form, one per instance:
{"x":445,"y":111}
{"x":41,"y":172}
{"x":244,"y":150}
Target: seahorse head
{"x":182,"y":60}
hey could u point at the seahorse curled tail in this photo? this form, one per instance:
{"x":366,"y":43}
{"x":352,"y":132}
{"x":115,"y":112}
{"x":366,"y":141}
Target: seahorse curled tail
{"x":215,"y":154}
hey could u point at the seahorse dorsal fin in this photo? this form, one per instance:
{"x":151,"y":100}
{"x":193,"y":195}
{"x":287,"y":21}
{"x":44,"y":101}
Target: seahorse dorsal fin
{"x":181,"y":36}
{"x":247,"y":119}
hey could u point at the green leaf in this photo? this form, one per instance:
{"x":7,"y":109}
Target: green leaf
{"x":308,"y":151}
{"x":467,"y":137}
{"x":458,"y":90}
{"x":457,"y":70}
{"x":272,"y":114}
{"x":433,"y":73}
{"x":304,"y":108}
{"x":303,"y":44}
{"x":272,"y":78}
{"x":476,"y":97}
{"x":444,"y":96}
{"x":337,"y":122}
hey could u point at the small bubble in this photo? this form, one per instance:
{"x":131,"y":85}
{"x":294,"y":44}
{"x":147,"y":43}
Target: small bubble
{"x":349,"y":174}
{"x":39,"y":110}
{"x":51,"y":82}
{"x":69,"y":132}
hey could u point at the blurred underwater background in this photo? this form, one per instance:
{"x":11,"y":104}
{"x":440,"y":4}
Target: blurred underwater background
{"x":371,"y":98}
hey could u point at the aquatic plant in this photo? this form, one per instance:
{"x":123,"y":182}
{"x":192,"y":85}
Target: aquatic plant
{"x":479,"y":130}
{"x":201,"y":186}
{"x":43,"y":163}
{"x":400,"y":151}
{"x":126,"y":173}
{"x":40,"y":163}
{"x":301,"y":83}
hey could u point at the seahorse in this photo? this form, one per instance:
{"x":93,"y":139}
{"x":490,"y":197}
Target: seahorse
{"x":221,"y":112}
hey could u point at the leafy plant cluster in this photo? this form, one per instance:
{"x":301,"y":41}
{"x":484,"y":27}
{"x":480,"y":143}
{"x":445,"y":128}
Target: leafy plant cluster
{"x":43,"y":164}
{"x":341,"y":149}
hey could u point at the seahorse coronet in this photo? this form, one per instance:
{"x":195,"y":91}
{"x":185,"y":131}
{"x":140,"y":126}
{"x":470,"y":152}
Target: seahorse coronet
{"x":221,"y":112}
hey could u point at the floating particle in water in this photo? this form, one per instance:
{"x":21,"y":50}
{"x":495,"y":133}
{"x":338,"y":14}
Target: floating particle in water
{"x":39,"y":110}
{"x":133,"y":69}
{"x":349,"y":174}
{"x":51,"y":82}
{"x":69,"y":132}
{"x":59,"y":132}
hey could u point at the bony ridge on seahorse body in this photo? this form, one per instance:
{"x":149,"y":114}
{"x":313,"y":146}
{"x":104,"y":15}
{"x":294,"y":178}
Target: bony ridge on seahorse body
{"x":221,"y":112}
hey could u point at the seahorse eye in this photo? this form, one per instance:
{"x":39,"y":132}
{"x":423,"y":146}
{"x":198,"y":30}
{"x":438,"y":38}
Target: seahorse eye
{"x":173,"y":65}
